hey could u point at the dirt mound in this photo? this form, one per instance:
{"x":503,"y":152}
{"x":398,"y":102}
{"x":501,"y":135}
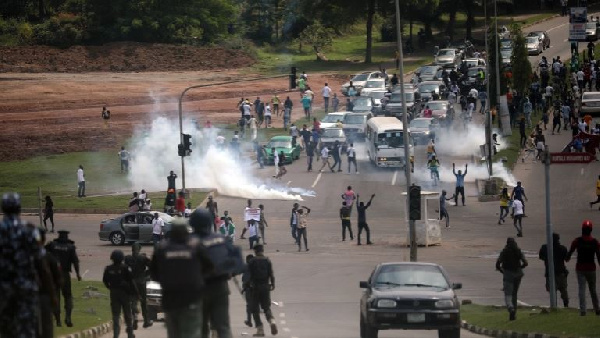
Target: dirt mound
{"x":120,"y":57}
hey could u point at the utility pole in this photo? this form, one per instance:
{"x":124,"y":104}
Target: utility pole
{"x":487,"y":90}
{"x":411,"y":224}
{"x":497,"y":63}
{"x":549,"y":239}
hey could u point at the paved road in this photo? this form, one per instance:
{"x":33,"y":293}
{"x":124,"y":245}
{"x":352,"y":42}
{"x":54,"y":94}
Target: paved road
{"x":317,"y":292}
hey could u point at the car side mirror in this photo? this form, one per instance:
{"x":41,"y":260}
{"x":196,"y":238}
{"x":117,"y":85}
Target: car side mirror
{"x":363,"y":284}
{"x":456,"y":286}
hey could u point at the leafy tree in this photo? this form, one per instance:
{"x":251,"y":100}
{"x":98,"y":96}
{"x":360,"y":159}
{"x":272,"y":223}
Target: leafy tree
{"x":521,"y":67}
{"x":317,"y":36}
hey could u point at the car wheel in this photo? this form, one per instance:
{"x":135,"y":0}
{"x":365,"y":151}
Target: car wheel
{"x":117,"y":238}
{"x":366,"y":330}
{"x":452,"y":333}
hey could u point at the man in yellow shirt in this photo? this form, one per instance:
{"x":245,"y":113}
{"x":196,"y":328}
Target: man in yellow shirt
{"x":597,"y":193}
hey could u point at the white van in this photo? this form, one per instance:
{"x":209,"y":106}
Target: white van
{"x":385,"y":142}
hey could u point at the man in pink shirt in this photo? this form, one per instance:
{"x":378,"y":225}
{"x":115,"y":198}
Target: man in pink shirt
{"x":349,"y":196}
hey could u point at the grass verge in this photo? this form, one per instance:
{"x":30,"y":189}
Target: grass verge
{"x":87,"y":311}
{"x":559,"y":323}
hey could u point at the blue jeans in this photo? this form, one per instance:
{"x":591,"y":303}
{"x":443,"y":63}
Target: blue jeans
{"x":155,"y":239}
{"x":589,"y":278}
{"x":81,"y":189}
{"x":294,"y":232}
{"x":253,"y":240}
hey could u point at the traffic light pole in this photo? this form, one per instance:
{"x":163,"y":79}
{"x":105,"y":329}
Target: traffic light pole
{"x":407,"y":165}
{"x":549,"y":240}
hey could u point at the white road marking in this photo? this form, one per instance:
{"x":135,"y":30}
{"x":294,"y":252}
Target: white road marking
{"x":316,"y":180}
{"x":282,"y":322}
{"x":288,"y":183}
{"x":582,"y":171}
{"x":394,"y":177}
{"x":276,"y":304}
{"x":553,"y":28}
{"x":285,"y":329}
{"x":86,"y":271}
{"x":282,"y":315}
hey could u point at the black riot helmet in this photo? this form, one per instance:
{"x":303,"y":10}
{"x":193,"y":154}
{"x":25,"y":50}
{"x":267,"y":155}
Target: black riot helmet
{"x":117,"y":256}
{"x":11,"y":203}
{"x":201,"y":221}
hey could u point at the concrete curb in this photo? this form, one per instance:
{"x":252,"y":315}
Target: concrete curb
{"x":94,"y":332}
{"x":503,"y":333}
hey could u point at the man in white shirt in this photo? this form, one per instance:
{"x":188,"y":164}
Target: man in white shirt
{"x":124,"y":155}
{"x":580,"y":76}
{"x":518,"y":216}
{"x":252,"y":233}
{"x":325,"y":158}
{"x":275,"y":161}
{"x":351,"y":158}
{"x":326,"y":92}
{"x":268,"y":115}
{"x":247,"y":110}
{"x":157,"y":229}
{"x":80,"y":182}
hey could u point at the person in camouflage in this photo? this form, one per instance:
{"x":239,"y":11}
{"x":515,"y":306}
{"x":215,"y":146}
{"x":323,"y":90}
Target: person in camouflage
{"x":140,"y":268}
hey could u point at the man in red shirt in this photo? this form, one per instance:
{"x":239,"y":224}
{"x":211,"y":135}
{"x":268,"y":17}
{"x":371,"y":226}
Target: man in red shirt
{"x":180,"y":203}
{"x":588,"y":250}
{"x":427,"y":112}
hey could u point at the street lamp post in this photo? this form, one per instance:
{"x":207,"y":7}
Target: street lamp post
{"x":487,"y":90}
{"x":411,"y":223}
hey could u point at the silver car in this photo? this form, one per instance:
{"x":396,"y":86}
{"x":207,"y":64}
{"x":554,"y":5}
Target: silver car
{"x":331,"y":135}
{"x":421,"y":130}
{"x":446,"y":57}
{"x":376,"y":95}
{"x":330,"y":120}
{"x":591,"y":31}
{"x":533,"y":45}
{"x":360,"y":80}
{"x":132,"y":227}
{"x":590,"y":102}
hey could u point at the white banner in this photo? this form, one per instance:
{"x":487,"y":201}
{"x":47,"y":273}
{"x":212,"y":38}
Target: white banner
{"x":577,"y":21}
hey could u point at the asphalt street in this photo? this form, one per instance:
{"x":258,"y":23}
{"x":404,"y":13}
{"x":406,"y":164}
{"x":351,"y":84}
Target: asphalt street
{"x":317,"y":294}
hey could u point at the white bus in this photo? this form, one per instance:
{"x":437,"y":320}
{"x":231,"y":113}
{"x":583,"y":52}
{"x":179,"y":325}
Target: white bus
{"x":385,"y":142}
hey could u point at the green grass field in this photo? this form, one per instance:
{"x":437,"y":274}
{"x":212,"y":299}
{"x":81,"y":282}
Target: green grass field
{"x":560,"y":323}
{"x":87,"y":311}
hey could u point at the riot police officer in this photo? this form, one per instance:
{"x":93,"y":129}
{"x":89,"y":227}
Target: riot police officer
{"x":227,"y":260}
{"x":179,"y":264}
{"x":64,"y":249}
{"x":140,"y":266}
{"x":49,"y":292}
{"x":262,"y":282}
{"x":119,"y":280}
{"x":21,"y":264}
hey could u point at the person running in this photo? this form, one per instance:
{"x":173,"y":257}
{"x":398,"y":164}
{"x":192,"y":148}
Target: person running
{"x":262,"y":223}
{"x":361,"y":207}
{"x":460,"y":184}
{"x":325,"y":159}
{"x":559,"y":253}
{"x":49,"y":212}
{"x":591,"y":203}
{"x":345,"y":212}
{"x":302,"y":223}
{"x":351,"y":152}
{"x":310,"y":154}
{"x":504,"y":200}
{"x":588,"y":251}
{"x":511,"y":263}
{"x":518,"y":193}
{"x":275,"y":161}
{"x":443,"y":210}
{"x":349,"y":196}
{"x":275,"y":103}
{"x":433,"y":166}
{"x":337,"y":159}
{"x":517,"y":216}
{"x":430,"y":149}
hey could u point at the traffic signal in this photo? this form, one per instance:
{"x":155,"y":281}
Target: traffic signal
{"x":293,"y":78}
{"x":180,"y":150}
{"x":187,"y":144}
{"x":414,"y":195}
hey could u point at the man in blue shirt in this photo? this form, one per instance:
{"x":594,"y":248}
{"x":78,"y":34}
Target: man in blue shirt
{"x":460,"y":184}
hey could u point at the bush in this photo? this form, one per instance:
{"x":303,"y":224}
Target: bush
{"x":61,"y":31}
{"x":237,"y":43}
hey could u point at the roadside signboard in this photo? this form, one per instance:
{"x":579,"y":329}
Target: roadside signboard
{"x":571,"y":158}
{"x":577,"y":21}
{"x":252,"y":214}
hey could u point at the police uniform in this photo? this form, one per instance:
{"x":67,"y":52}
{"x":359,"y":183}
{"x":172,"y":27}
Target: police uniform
{"x":20,"y":264}
{"x":261,"y":282}
{"x":179,"y":264}
{"x":64,"y":250}
{"x":139,"y":265}
{"x":119,"y":280}
{"x":49,"y":292}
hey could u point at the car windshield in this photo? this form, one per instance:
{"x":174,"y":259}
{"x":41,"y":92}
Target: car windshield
{"x":420,"y":123}
{"x":538,"y":34}
{"x":332,"y":118}
{"x":397,"y":97}
{"x":333,"y":133}
{"x":429,"y":70}
{"x":506,"y":53}
{"x":375,"y":84}
{"x":392,"y":139}
{"x":590,"y":25}
{"x":505,"y":44}
{"x":360,"y":77}
{"x":446,"y":52}
{"x":279,"y":144}
{"x":591,"y":96}
{"x":363,"y":102}
{"x":533,"y":39}
{"x":437,"y":105}
{"x":472,"y":72}
{"x":354,"y":119}
{"x":412,"y":276}
{"x":377,"y":95}
{"x":428,"y":87}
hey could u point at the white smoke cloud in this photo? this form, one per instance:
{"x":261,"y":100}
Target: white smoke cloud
{"x":154,"y":155}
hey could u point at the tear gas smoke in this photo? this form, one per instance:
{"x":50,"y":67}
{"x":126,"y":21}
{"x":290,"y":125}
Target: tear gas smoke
{"x":154,"y":155}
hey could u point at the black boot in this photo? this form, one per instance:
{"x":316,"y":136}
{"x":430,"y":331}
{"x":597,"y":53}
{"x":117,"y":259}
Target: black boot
{"x":135,"y":326}
{"x":68,"y":321}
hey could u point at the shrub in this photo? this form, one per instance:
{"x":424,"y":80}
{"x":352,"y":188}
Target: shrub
{"x":61,"y":31}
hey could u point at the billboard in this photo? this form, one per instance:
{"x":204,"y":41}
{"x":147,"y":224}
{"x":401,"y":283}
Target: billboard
{"x":577,"y":19}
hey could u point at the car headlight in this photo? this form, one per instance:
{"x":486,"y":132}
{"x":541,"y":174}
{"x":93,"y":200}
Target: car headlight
{"x":386,"y":303}
{"x":426,"y":132}
{"x":444,"y":304}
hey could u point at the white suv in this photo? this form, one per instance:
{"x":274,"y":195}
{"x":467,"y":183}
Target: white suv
{"x":360,"y":80}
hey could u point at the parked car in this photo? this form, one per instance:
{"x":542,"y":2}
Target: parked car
{"x":590,"y":103}
{"x":533,"y":45}
{"x":360,"y":80}
{"x":355,"y":125}
{"x":591,"y":31}
{"x":372,"y":85}
{"x":393,"y":105}
{"x":331,"y":135}
{"x":543,"y":36}
{"x":363,"y":104}
{"x":376,"y":95}
{"x":409,"y":296}
{"x":464,"y":47}
{"x":331,"y":119}
{"x":427,"y":88}
{"x":132,"y":227}
{"x":153,"y":299}
{"x":447,"y":57}
{"x":420,"y":130}
{"x":283,"y":143}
